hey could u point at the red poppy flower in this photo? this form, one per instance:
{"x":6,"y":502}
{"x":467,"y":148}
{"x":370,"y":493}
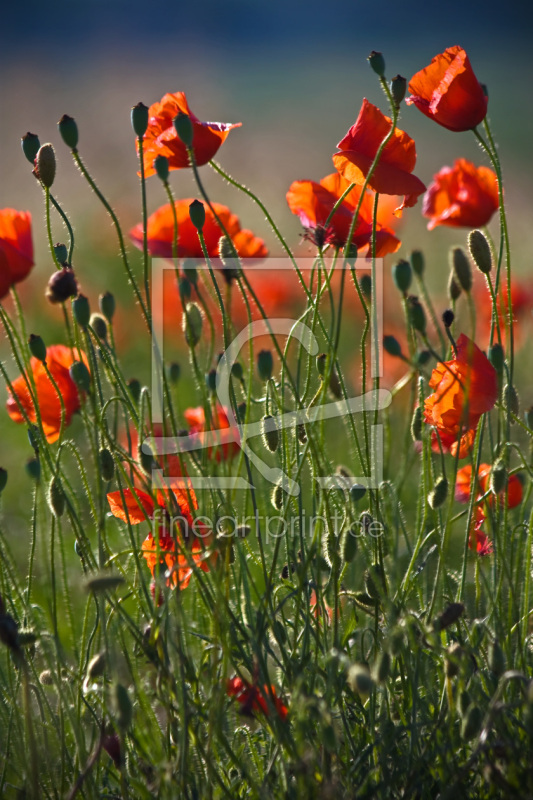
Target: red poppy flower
{"x":312,"y":203}
{"x":462,"y":196}
{"x":58,"y":359}
{"x":465,"y":388}
{"x":522,"y":303}
{"x":178,"y":564}
{"x":16,"y":248}
{"x":448,"y":91}
{"x":253,"y":699}
{"x":160,"y":232}
{"x":479,"y":541}
{"x":392,"y":174}
{"x":138,"y":505}
{"x":161,"y":137}
{"x":220,"y":439}
{"x":464,"y":481}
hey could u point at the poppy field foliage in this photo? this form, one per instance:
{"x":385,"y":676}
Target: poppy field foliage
{"x":270,"y":533}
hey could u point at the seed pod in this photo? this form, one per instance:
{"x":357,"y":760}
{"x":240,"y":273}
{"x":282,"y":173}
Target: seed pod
{"x":106,"y":302}
{"x":359,"y":680}
{"x":192,"y":324}
{"x":416,"y":425}
{"x":439,"y":493}
{"x":80,"y":375}
{"x":480,"y":251}
{"x":68,"y":131}
{"x":270,"y":432}
{"x":61,"y":285}
{"x":139,"y":119}
{"x":184,"y":128}
{"x":61,"y":253}
{"x":30,"y":146}
{"x":510,"y":398}
{"x":56,"y":497}
{"x":496,"y":659}
{"x":197,"y":214}
{"x":123,"y":707}
{"x":161,"y":167}
{"x":498,"y":477}
{"x":377,"y":62}
{"x":471,"y":723}
{"x":398,"y":88}
{"x":451,"y":614}
{"x":392,"y":346}
{"x":447,"y":318}
{"x":265,"y":365}
{"x":107,"y":464}
{"x":3,"y":479}
{"x":382,"y":667}
{"x":402,"y":275}
{"x":99,"y":325}
{"x":45,"y":165}
{"x":461,"y":269}
{"x":417,"y":262}
{"x":37,"y":347}
{"x":81,"y":310}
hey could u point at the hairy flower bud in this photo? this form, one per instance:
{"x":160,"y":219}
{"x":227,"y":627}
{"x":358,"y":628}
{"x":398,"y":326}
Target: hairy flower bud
{"x":377,"y":62}
{"x":68,"y":131}
{"x":106,"y":302}
{"x":417,"y":262}
{"x":161,"y":167}
{"x":61,"y":253}
{"x":184,"y":128}
{"x":398,"y":87}
{"x":37,"y":347}
{"x":402,"y":275}
{"x":139,"y":119}
{"x":192,"y":324}
{"x":45,"y":164}
{"x":197,"y":214}
{"x":480,"y":251}
{"x":461,"y":269}
{"x":270,"y":432}
{"x":81,"y":310}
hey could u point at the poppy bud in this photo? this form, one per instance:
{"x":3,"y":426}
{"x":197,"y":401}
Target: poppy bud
{"x":9,"y":632}
{"x":185,"y":289}
{"x":416,"y":313}
{"x":104,"y":582}
{"x":301,"y":433}
{"x":480,"y":251}
{"x":398,"y":87}
{"x":139,"y":119}
{"x":81,"y":310}
{"x":461,"y":269}
{"x":497,"y":357}
{"x":357,"y":492}
{"x":377,"y":62}
{"x":135,"y":389}
{"x":276,"y":498}
{"x":99,"y":326}
{"x":96,"y":666}
{"x":374,"y":583}
{"x":447,"y":318}
{"x":416,"y":425}
{"x":106,"y":302}
{"x":174,"y":372}
{"x":230,"y":260}
{"x":46,"y":678}
{"x":80,"y":375}
{"x":402,"y":275}
{"x":30,"y":146}
{"x":510,"y":398}
{"x":423,"y":357}
{"x":265,"y":365}
{"x":3,"y":479}
{"x":451,"y":614}
{"x":452,"y":660}
{"x":418,"y":262}
{"x":146,"y":458}
{"x":471,"y":723}
{"x":321,"y":364}
{"x":439,"y":493}
{"x":454,"y":290}
{"x":184,"y":129}
{"x":107,"y":464}
{"x":382,"y":667}
{"x":161,"y":167}
{"x":528,"y":415}
{"x":62,"y":285}
{"x":359,"y":680}
{"x":392,"y":346}
{"x":498,"y":477}
{"x":122,"y":705}
{"x":365,"y":285}
{"x":56,"y":497}
{"x":241,"y":412}
{"x":33,"y":468}
{"x":243,"y":531}
{"x":68,"y":131}
{"x":349,"y":548}
{"x":45,"y":163}
{"x":496,"y":659}
{"x":190,"y":271}
{"x":61,"y":253}
{"x":197,"y":214}
{"x":237,"y":371}
{"x":270,"y":432}
{"x":192,"y":324}
{"x":350,"y":253}
{"x":211,"y":380}
{"x":37,"y":347}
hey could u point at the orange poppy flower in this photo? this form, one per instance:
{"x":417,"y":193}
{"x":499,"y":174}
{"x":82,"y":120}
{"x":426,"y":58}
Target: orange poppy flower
{"x":161,"y":137}
{"x":160,"y":231}
{"x":178,"y":565}
{"x":137,"y":505}
{"x":464,"y":482}
{"x":465,"y":388}
{"x":462,"y":196}
{"x":392,"y":174}
{"x":478,"y":540}
{"x":221,"y":439}
{"x":16,"y":248}
{"x":253,"y":699}
{"x":312,"y":203}
{"x":448,"y":91}
{"x":58,"y":359}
